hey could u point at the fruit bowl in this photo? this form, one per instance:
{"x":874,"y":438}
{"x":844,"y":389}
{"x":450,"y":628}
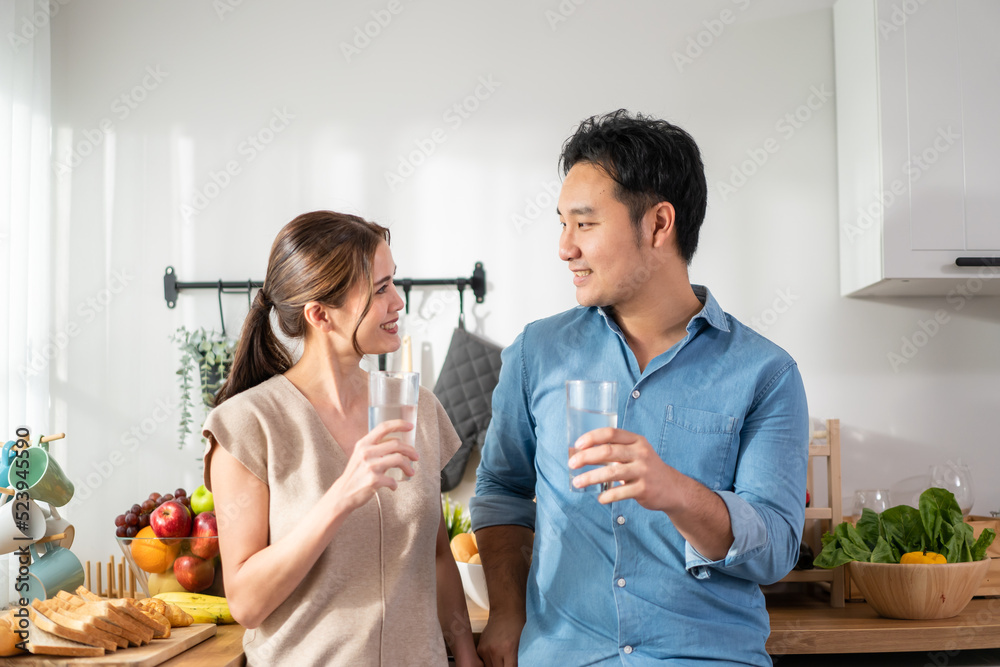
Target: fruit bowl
{"x":180,"y":564}
{"x":474,"y":583}
{"x":917,"y":592}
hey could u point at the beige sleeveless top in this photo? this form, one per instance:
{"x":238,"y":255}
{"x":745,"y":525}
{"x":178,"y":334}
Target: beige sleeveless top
{"x":371,"y":598}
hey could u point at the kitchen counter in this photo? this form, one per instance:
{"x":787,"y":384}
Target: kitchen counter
{"x":225,"y":649}
{"x":802,"y":629}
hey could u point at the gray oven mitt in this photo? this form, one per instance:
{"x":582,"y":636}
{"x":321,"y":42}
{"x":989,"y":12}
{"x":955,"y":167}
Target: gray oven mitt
{"x":465,"y":388}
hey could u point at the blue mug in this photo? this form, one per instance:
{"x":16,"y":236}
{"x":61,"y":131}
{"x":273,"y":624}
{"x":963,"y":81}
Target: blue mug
{"x":57,"y":569}
{"x":6,"y":458}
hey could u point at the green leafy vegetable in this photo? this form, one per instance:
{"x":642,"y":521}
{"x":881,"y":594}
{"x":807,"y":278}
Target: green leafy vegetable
{"x":455,"y":519}
{"x":937,"y":526}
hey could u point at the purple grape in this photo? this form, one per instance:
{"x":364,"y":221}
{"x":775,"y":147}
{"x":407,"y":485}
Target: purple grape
{"x":179,"y":492}
{"x":184,"y":500}
{"x":120,"y":520}
{"x":121,"y":531}
{"x":167,"y":498}
{"x":136,"y":509}
{"x":143,"y":520}
{"x":131,"y":519}
{"x":154,"y":496}
{"x":131,"y":531}
{"x":148,"y":505}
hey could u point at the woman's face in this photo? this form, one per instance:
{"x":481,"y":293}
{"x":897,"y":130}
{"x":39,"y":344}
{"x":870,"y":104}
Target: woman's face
{"x":379,"y":330}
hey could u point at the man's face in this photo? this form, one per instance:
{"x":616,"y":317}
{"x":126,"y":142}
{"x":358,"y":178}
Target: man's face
{"x":598,"y":240}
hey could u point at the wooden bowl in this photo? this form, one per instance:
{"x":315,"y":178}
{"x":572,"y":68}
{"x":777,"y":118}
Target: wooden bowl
{"x":919,"y":591}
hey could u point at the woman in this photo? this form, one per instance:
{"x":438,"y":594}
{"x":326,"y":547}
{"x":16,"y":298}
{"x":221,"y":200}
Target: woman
{"x":328,"y":561}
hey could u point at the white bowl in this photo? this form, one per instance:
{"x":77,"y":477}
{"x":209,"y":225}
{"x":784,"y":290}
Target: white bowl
{"x":474,"y":583}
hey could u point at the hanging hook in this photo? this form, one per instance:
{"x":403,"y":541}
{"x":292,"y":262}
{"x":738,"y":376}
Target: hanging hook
{"x":249,"y":291}
{"x":222,"y":318}
{"x":407,"y":285}
{"x":461,"y":304}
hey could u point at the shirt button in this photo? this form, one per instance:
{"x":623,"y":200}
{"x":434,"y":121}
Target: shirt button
{"x":635,"y":393}
{"x":627,"y":649}
{"x":621,"y":583}
{"x":621,"y":520}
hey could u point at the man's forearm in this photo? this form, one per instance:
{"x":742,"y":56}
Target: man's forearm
{"x":704,"y":521}
{"x":506,"y":556}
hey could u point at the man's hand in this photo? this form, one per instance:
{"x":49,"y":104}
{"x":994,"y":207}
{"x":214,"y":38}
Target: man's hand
{"x":506,"y":554}
{"x":499,"y":641}
{"x":697,"y":512}
{"x":631,"y":461}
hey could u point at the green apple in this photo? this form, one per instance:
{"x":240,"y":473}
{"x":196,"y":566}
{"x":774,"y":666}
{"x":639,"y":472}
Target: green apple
{"x":164,"y":583}
{"x":201,"y":500}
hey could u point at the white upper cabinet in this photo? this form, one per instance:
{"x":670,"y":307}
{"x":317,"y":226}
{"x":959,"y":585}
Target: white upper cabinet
{"x":918,"y":140}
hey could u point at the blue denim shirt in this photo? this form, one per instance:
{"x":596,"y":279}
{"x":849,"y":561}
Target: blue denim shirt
{"x":617,"y":584}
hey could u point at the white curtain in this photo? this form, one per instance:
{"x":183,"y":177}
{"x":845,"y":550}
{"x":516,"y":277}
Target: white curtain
{"x":26,"y":344}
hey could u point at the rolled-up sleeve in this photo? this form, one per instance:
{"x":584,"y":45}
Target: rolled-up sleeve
{"x":767,"y":507}
{"x":505,"y":479}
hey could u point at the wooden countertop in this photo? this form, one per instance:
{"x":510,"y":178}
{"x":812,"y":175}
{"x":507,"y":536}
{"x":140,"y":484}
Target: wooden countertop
{"x":801,"y":625}
{"x":225,"y":649}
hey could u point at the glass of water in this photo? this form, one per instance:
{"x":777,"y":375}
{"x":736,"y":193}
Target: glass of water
{"x":590,"y":404}
{"x":393,"y":395}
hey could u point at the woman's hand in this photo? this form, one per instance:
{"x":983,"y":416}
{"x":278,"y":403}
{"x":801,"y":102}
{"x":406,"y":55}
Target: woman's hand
{"x":373,"y":455}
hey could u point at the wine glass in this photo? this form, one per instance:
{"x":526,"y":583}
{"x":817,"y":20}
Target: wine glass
{"x":957,"y":478}
{"x":877,"y":500}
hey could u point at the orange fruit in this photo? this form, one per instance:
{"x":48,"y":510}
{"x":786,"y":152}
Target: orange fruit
{"x":463,"y":547}
{"x":475,"y":560}
{"x":152,"y":554}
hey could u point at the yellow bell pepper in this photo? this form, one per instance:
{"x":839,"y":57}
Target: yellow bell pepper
{"x":922,"y":558}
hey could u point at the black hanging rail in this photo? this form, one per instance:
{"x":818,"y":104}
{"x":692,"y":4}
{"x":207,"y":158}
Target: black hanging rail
{"x":172,"y":286}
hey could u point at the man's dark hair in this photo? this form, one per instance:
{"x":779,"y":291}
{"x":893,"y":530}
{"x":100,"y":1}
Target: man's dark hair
{"x":651,"y":161}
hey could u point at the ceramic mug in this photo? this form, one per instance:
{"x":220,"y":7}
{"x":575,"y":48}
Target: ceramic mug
{"x":46,"y":481}
{"x":21,"y":522}
{"x":55,"y":569}
{"x":6,"y":456}
{"x":55,"y":524}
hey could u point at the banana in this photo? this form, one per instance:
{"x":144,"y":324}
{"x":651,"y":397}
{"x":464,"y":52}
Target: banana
{"x":204,"y":608}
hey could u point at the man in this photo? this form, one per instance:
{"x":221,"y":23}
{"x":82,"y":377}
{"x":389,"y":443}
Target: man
{"x":707,"y":467}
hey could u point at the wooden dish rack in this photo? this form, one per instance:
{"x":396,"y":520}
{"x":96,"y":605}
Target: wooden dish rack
{"x":823,"y":444}
{"x":111,"y":579}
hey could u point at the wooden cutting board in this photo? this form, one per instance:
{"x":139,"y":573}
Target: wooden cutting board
{"x":159,"y":650}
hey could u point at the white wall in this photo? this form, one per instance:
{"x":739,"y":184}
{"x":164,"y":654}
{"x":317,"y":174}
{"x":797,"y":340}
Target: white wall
{"x":118,"y":211}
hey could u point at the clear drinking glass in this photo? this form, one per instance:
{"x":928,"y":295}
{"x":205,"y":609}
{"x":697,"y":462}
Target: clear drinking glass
{"x":393,"y":395}
{"x":877,"y":500}
{"x":957,"y":478}
{"x":590,"y":404}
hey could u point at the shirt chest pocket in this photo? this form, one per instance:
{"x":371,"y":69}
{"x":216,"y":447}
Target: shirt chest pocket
{"x":700,"y":444}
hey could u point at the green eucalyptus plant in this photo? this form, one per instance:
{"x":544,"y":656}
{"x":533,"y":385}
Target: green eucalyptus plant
{"x":208,"y":353}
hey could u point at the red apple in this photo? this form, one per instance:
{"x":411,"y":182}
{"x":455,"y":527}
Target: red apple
{"x":205,"y":535}
{"x":171,"y":519}
{"x":193,"y":573}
